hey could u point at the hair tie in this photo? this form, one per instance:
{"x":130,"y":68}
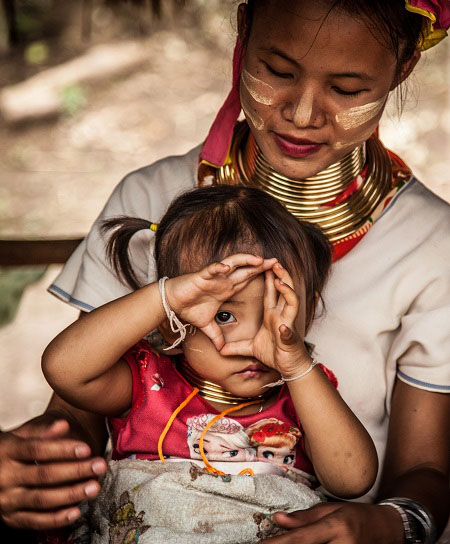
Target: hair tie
{"x":154,"y":227}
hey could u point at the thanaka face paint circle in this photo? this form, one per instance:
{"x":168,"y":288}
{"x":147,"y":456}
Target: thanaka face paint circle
{"x":312,"y":89}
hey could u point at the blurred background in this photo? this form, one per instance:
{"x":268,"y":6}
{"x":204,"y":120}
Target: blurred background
{"x":92,"y":89}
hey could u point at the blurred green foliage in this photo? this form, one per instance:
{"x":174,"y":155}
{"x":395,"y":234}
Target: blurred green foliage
{"x":36,"y":53}
{"x":73,"y":98}
{"x":13,"y":282}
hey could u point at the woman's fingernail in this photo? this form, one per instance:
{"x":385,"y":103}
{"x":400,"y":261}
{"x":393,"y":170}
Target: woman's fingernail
{"x":99,"y":467}
{"x":91,"y":489}
{"x":72,"y":515}
{"x":82,"y":451}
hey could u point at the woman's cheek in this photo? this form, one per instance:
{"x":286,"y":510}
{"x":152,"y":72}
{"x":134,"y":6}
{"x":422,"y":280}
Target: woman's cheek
{"x":250,"y":109}
{"x":257,"y":99}
{"x":355,"y":125}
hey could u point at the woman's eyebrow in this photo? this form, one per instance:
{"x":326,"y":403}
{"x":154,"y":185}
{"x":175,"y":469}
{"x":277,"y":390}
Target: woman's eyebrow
{"x":356,"y":75}
{"x":276,"y":51}
{"x":283,"y":55}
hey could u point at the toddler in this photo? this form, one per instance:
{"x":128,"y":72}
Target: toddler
{"x":239,"y":421}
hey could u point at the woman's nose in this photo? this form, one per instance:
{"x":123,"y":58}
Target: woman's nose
{"x":305,"y":111}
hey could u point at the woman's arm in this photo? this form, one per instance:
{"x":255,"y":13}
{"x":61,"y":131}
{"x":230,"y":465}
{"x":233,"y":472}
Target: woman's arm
{"x":417,"y":455}
{"x":416,"y":466}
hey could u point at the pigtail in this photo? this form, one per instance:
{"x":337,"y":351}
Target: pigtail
{"x":117,"y":246}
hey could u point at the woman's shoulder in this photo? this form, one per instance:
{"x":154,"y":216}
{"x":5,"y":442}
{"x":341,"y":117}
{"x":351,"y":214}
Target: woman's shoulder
{"x":416,"y":216}
{"x":147,"y":191}
{"x":416,"y":197}
{"x":174,"y":169}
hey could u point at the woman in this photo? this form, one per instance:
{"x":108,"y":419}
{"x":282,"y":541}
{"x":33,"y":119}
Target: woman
{"x":312,"y":80}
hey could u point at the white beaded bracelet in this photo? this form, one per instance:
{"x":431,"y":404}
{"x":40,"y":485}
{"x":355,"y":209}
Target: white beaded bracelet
{"x":284,"y":380}
{"x":175,"y":324}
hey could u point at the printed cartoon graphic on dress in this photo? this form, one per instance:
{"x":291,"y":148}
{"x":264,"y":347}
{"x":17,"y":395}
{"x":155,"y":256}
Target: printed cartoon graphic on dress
{"x":275,"y":441}
{"x":225,"y":440}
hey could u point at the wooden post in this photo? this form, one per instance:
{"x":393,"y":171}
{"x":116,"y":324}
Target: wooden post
{"x":86,"y":20}
{"x":10,"y":15}
{"x":36,"y":252}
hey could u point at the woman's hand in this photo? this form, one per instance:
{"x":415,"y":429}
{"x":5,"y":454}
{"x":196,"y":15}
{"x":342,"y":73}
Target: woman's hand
{"x":278,"y":343}
{"x":44,"y":475}
{"x":340,"y":523}
{"x":197,"y":297}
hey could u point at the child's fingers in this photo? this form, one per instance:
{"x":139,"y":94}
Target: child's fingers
{"x":289,"y":310}
{"x":282,"y":274}
{"x":214,"y":269}
{"x":214,"y":333}
{"x":242,"y":259}
{"x":270,"y":292}
{"x":242,"y":276}
{"x":287,"y":335}
{"x":240,"y":347}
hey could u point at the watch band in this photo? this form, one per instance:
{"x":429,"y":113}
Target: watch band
{"x":418,"y":523}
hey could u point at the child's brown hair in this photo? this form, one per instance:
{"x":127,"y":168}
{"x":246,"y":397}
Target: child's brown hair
{"x":206,"y":225}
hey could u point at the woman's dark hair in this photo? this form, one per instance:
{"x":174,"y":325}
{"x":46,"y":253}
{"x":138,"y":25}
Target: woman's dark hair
{"x":401,"y":28}
{"x":205,"y":225}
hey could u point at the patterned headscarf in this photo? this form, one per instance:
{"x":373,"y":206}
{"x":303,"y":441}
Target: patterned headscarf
{"x":217,"y":144}
{"x":437,"y":17}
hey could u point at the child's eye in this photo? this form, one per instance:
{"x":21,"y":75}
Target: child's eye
{"x":278,"y":74}
{"x":347,"y":93}
{"x":223,"y":318}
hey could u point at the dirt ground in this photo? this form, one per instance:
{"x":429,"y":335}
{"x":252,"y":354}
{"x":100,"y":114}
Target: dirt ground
{"x":55,"y":177}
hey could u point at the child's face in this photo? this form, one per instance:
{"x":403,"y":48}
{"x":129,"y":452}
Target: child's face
{"x":240,"y":319}
{"x":312,"y":87}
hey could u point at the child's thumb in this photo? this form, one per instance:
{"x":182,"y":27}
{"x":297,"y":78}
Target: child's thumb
{"x":287,"y":335}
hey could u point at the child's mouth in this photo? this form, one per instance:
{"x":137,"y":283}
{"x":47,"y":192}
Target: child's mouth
{"x":252,"y":370}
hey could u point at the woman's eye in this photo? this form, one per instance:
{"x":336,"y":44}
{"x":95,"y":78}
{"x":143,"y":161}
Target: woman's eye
{"x":223,"y":318}
{"x":347,"y":93}
{"x":278,"y":74}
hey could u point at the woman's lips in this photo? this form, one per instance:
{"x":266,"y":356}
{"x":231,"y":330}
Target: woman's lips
{"x":296,"y":147}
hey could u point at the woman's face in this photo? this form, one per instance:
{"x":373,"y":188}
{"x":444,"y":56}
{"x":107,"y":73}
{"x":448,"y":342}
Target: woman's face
{"x":313,"y":86}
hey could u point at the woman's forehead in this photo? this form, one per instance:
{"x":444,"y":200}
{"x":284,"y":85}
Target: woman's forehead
{"x":306,"y":33}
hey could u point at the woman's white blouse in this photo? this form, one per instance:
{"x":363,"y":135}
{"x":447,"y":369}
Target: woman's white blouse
{"x":387,"y":301}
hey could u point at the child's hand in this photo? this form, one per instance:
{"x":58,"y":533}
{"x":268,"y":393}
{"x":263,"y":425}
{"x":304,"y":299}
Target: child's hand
{"x":278,"y":344}
{"x":197,"y":297}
